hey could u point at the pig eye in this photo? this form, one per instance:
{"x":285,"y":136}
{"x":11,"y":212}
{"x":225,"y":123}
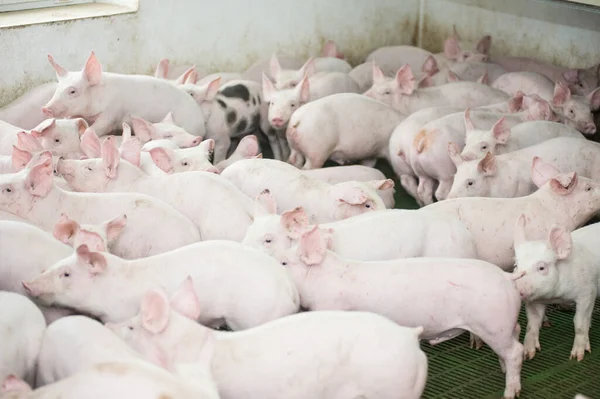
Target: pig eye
{"x":484,"y":147}
{"x":8,"y":190}
{"x":571,"y":112}
{"x":367,"y":205}
{"x":541,"y":268}
{"x":268,"y":240}
{"x":184,"y":163}
{"x":284,"y":263}
{"x":293,"y":105}
{"x":89,"y":168}
{"x":470,"y":183}
{"x":72,"y":91}
{"x":57,"y":140}
{"x":66,"y":274}
{"x":588,"y":188}
{"x":169,"y":136}
{"x":293,"y":84}
{"x":130,"y":328}
{"x":387,"y":92}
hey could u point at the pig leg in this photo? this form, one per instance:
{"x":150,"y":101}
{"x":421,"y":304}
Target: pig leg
{"x":443,"y":189}
{"x":369,"y":162}
{"x":274,"y":143}
{"x":425,"y":189}
{"x":475,"y":341}
{"x":283,"y":144}
{"x":535,"y":315}
{"x":221,"y":147}
{"x":409,"y":183}
{"x":510,"y":353}
{"x":296,"y":159}
{"x":315,"y":161}
{"x":583,"y":315}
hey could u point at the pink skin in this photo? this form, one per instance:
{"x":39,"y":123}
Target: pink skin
{"x":330,"y":50}
{"x":580,"y":81}
{"x":288,"y":79}
{"x":158,"y":330}
{"x":26,"y":111}
{"x":565,"y":200}
{"x":107,"y":100}
{"x":321,"y":275}
{"x":454,"y":52}
{"x":558,"y":269}
{"x":247,"y":149}
{"x":167,"y":129}
{"x":184,"y":160}
{"x":61,"y":136}
{"x":403,"y":94}
{"x":96,"y":237}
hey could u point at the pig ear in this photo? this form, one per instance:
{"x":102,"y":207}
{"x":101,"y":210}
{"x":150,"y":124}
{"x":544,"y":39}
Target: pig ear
{"x":93,"y":70}
{"x":519,"y":236}
{"x":264,"y":204}
{"x":90,"y":144}
{"x":163,"y":158}
{"x":571,"y":76}
{"x":501,"y":131}
{"x":304,"y":88}
{"x":378,"y":74}
{"x":130,"y":151}
{"x":455,"y":32}
{"x":13,"y":384}
{"x":65,"y":229}
{"x":484,"y":79}
{"x":82,"y":126}
{"x":274,"y":65}
{"x":313,"y":247}
{"x":155,"y":311}
{"x":352,"y":196}
{"x":126,"y":131}
{"x":467,"y":119}
{"x":308,"y":69}
{"x":39,"y":181}
{"x":184,"y":76}
{"x":484,"y":45}
{"x":212,"y":89}
{"x":295,"y":221}
{"x":268,"y":87}
{"x":560,"y":241}
{"x":451,"y":48}
{"x":115,"y":226}
{"x":248,"y":146}
{"x":541,"y":172}
{"x":20,"y":159}
{"x":143,"y":129}
{"x":425,"y":81}
{"x":430,"y":66}
{"x":43,"y":127}
{"x":110,"y":157}
{"x":487,"y":165}
{"x":406,"y":79}
{"x":381,"y":184}
{"x":95,"y":261}
{"x":60,"y":71}
{"x":162,"y":69}
{"x":454,"y":154}
{"x":329,"y":49}
{"x":169,"y":119}
{"x":594,"y":98}
{"x":185,"y":301}
{"x":207,"y":352}
{"x":562,"y":94}
{"x":28,"y":142}
{"x":452,"y":77}
{"x":563,"y":184}
{"x":192,"y":77}
{"x":515,"y":104}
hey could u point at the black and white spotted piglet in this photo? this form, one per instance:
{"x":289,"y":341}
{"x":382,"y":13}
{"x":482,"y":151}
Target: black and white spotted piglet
{"x":231,"y":110}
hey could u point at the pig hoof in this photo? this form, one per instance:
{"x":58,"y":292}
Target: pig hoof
{"x":547,"y":324}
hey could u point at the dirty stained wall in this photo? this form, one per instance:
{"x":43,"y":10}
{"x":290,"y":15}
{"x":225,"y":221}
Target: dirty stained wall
{"x":230,"y":35}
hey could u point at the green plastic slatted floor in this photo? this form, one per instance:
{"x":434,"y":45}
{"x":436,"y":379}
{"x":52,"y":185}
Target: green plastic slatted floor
{"x":459,"y":372}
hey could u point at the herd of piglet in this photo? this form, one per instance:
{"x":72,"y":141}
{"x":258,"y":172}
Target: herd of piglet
{"x":148,"y":250}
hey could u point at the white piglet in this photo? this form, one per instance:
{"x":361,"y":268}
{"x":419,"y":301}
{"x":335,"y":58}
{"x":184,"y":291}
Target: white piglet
{"x":282,"y":357}
{"x":323,"y":202}
{"x":110,"y":99}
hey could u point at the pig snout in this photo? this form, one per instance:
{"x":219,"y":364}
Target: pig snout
{"x":213,"y":169}
{"x":194,"y":141}
{"x":31,"y":288}
{"x":277,"y":122}
{"x":47,"y":112}
{"x":589,"y":128}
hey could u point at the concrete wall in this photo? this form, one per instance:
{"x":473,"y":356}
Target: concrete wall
{"x":230,"y":35}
